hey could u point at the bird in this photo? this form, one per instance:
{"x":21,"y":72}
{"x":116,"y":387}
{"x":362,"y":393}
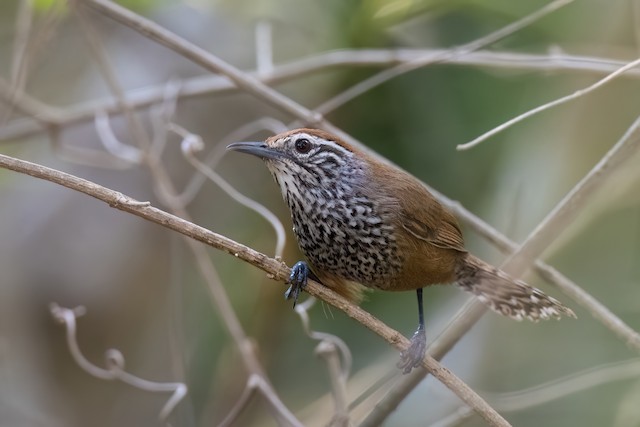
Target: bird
{"x":362,"y":223}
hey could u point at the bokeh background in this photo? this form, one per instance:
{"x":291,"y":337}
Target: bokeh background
{"x":144,"y":295}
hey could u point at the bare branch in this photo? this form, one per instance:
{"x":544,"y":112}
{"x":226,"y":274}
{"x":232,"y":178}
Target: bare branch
{"x":567,"y":209}
{"x":188,"y":50}
{"x":124,"y":152}
{"x":386,"y":75}
{"x":456,"y":418}
{"x":521,"y":259}
{"x":552,"y":390}
{"x":203,"y":58}
{"x":264,"y":48}
{"x":245,"y":398}
{"x":246,"y":82}
{"x":19,"y":61}
{"x":544,"y":107}
{"x":115,"y":363}
{"x":29,"y":106}
{"x":302,"y":309}
{"x":273,"y":267}
{"x":328,"y":351}
{"x":209,"y":85}
{"x":565,"y":386}
{"x":337,"y":356}
{"x":191,"y":144}
{"x":240,"y":134}
{"x":165,"y":189}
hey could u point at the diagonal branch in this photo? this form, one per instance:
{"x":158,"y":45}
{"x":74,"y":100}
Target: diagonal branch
{"x":243,"y":80}
{"x":559,"y":217}
{"x":479,"y":43}
{"x":274,"y":268}
{"x":203,"y":58}
{"x":213,"y":84}
{"x":577,"y":94}
{"x":190,"y":51}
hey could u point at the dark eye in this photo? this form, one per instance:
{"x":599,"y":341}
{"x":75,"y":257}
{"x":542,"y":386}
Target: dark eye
{"x":303,"y":145}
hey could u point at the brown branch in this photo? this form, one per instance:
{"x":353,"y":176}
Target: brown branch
{"x":167,"y":192}
{"x":213,"y":84}
{"x":366,"y":85}
{"x":203,"y":58}
{"x":243,"y":80}
{"x":521,"y":258}
{"x":114,"y":369}
{"x":272,"y":267}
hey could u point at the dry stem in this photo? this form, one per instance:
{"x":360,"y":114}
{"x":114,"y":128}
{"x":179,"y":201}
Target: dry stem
{"x":271,"y":266}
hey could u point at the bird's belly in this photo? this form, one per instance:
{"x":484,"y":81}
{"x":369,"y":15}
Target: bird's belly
{"x":367,"y":256}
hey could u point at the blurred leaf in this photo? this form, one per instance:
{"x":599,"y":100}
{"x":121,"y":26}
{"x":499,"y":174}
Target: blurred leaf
{"x":42,"y":6}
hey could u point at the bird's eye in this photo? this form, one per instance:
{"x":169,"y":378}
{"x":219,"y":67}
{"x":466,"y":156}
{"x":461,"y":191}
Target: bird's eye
{"x":303,"y":145}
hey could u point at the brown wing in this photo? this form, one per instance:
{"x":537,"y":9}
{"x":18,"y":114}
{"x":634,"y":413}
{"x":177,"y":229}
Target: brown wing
{"x":426,"y":219}
{"x":441,"y":231}
{"x":420,"y":214}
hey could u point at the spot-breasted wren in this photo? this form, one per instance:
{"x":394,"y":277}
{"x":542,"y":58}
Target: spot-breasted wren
{"x":363,"y":223}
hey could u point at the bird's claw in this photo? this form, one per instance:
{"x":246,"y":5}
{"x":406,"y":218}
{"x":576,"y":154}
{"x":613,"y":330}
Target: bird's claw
{"x":412,"y":357}
{"x":298,"y":280}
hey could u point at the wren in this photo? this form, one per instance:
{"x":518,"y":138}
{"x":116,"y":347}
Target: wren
{"x":362,"y":223}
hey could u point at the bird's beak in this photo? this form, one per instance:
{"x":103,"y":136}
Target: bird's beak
{"x":259,"y":149}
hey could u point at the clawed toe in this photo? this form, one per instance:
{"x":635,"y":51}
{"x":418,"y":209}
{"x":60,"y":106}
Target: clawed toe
{"x":298,"y":279}
{"x":413,"y":356}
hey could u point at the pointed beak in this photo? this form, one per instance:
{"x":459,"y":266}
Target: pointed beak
{"x":259,"y":149}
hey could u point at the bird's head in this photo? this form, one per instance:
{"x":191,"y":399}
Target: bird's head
{"x":304,"y":158}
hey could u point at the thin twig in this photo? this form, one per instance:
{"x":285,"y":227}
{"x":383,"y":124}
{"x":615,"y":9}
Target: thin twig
{"x":264,"y":48}
{"x":565,"y":386}
{"x":210,"y":85}
{"x":328,"y":351}
{"x":243,"y":400}
{"x":20,"y":54}
{"x":239,"y":134}
{"x":552,"y":390}
{"x":521,"y":259}
{"x":386,"y":75}
{"x":567,"y":209}
{"x":109,"y":74}
{"x":112,"y":144}
{"x":165,"y":189}
{"x":203,"y":58}
{"x":115,"y":363}
{"x":42,"y":113}
{"x":273,"y":267}
{"x":302,"y":310}
{"x":249,"y":90}
{"x":338,"y":358}
{"x":456,"y":418}
{"x":192,"y":143}
{"x":131,"y":20}
{"x":549,"y":105}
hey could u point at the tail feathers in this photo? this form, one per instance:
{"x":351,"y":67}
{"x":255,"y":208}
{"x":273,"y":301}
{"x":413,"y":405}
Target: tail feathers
{"x":505,"y":295}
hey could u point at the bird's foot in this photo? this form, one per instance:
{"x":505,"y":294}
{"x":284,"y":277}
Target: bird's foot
{"x":300,"y":273}
{"x":412,"y":357}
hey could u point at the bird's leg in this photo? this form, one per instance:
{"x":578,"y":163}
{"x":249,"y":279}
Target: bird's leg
{"x":412,"y":357}
{"x":300,"y":273}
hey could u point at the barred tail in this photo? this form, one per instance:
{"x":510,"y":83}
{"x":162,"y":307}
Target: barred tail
{"x":504,"y":295}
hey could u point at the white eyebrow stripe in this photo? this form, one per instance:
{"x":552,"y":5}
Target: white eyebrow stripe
{"x":333,"y":147}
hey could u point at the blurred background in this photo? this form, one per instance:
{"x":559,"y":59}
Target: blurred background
{"x":142,"y":290}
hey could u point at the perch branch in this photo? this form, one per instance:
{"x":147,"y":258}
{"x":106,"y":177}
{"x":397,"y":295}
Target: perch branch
{"x":274,"y":268}
{"x":521,"y":259}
